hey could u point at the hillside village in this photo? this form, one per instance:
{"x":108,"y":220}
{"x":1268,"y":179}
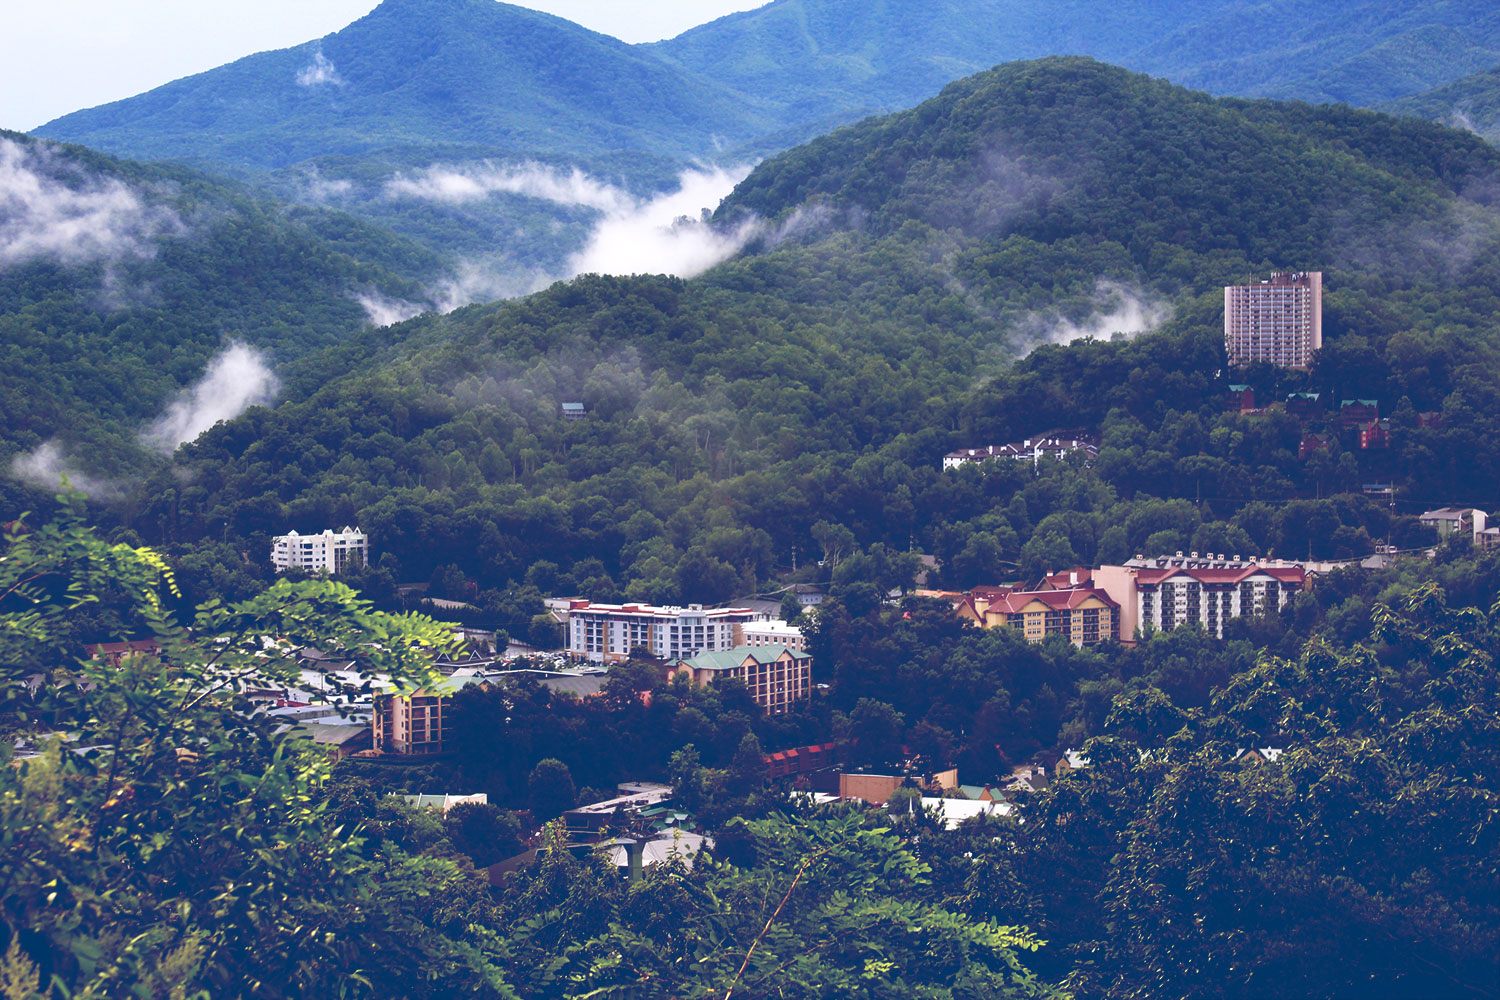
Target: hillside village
{"x":932,"y":498}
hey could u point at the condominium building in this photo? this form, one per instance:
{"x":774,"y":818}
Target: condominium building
{"x":330,"y":552}
{"x":607,"y":633}
{"x":410,"y":724}
{"x":776,"y":676}
{"x":1085,"y":616}
{"x":1159,"y":598}
{"x":1279,"y":322}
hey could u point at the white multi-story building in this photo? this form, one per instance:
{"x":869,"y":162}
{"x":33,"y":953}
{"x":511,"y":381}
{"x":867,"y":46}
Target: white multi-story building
{"x":606,"y":633}
{"x":1279,"y":321}
{"x":1164,"y":597}
{"x":774,"y":632}
{"x":330,"y":552}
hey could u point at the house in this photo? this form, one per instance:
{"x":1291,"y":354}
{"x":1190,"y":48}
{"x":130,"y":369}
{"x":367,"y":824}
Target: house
{"x":1304,"y":405}
{"x":1071,"y":760}
{"x":1358,"y":412}
{"x":114,"y":652}
{"x":1262,"y":755}
{"x":338,"y":739}
{"x":1239,"y":399}
{"x":1375,"y":435}
{"x":1310,"y":444}
{"x":446,"y":802}
{"x":1457,"y":520}
{"x":1085,"y":616}
{"x":1169,"y":592}
{"x":608,"y":633}
{"x":778,"y":677}
{"x":1031,"y":450}
{"x":329,"y":552}
{"x":574,"y":411}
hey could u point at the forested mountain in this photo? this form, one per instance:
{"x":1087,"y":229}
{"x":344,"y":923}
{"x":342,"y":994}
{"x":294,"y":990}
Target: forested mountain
{"x":434,"y":73}
{"x":890,"y":53}
{"x":461,"y":123}
{"x":475,"y":74}
{"x":1471,"y":103}
{"x":799,"y":398}
{"x":119,"y":282}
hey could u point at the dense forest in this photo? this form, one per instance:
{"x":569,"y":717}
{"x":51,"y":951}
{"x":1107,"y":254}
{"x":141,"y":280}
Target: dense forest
{"x":186,"y":846}
{"x":794,"y":404}
{"x":1471,"y":102}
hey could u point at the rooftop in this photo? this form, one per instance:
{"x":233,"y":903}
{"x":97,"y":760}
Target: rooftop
{"x":730,"y":659}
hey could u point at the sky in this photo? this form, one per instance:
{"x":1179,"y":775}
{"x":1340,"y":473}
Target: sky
{"x":58,"y":56}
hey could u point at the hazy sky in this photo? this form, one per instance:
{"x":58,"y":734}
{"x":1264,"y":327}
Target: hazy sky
{"x":58,"y":56}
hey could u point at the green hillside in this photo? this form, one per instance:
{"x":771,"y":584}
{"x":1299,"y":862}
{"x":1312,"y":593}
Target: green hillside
{"x":890,"y":53}
{"x":475,"y":88}
{"x":1000,"y":153}
{"x":118,"y":283}
{"x":799,"y":398}
{"x":1472,"y":103}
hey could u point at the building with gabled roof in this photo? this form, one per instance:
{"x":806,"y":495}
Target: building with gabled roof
{"x":777,"y":677}
{"x":1085,"y":616}
{"x":1456,"y":520}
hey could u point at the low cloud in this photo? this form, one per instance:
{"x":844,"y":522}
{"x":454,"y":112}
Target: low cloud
{"x":318,"y":72}
{"x":1117,"y":310}
{"x":668,"y":234}
{"x":236,"y":379}
{"x":382,"y":310}
{"x":665,"y":234}
{"x":50,"y":209}
{"x":313,"y":186}
{"x":48,"y":466}
{"x":485,"y":281}
{"x":471,"y":182}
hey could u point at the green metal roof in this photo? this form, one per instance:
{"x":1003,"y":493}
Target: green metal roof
{"x":729,"y":659}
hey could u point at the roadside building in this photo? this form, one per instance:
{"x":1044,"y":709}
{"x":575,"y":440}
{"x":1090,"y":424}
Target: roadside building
{"x":776,"y":676}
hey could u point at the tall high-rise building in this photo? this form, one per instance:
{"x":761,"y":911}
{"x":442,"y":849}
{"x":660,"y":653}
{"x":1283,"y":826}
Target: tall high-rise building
{"x":1279,"y":321}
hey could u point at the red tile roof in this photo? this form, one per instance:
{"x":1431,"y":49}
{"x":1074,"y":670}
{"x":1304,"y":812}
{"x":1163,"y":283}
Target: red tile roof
{"x":1057,"y":600}
{"x":1230,"y":575}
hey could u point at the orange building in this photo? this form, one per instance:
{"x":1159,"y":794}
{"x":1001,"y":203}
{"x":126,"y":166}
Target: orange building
{"x":777,"y":676}
{"x":1085,"y":616}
